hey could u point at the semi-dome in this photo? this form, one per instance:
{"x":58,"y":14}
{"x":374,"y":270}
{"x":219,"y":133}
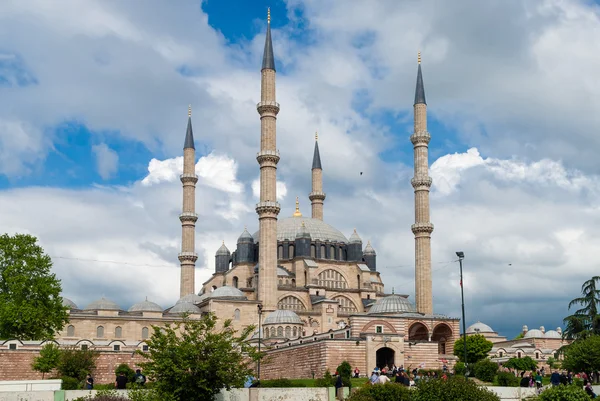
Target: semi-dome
{"x":68,"y":303}
{"x":552,"y":334}
{"x":392,"y":304}
{"x":479,"y":328}
{"x":281,"y":316}
{"x":103,"y":304}
{"x":185,"y":307}
{"x":191,"y":298}
{"x":227,"y":292}
{"x":534,"y":333}
{"x":146,"y":306}
{"x":288,"y":228}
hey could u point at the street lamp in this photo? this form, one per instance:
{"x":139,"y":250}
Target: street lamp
{"x":461,"y":256}
{"x":260,"y":307}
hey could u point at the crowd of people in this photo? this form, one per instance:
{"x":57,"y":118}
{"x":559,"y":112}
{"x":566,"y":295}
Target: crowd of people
{"x":401,"y":375}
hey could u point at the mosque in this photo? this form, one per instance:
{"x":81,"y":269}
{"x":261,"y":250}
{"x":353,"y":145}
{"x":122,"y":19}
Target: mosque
{"x":314,"y":293}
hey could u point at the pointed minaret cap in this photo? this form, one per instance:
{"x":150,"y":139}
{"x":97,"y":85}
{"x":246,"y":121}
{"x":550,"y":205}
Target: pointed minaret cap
{"x":369,"y":249}
{"x":420,"y":90}
{"x":189,"y":134}
{"x":223,"y":250}
{"x":246,"y":236}
{"x":316,"y":155}
{"x":297,"y":212}
{"x":354,"y":238}
{"x":268,"y":58}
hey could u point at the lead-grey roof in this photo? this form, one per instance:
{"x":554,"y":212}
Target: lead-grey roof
{"x":185,"y":307}
{"x":282,"y":317}
{"x":369,"y":249}
{"x":103,"y":304}
{"x":363,"y":267}
{"x":189,"y":136}
{"x":223,"y":250}
{"x":68,"y":303}
{"x":354,"y":238}
{"x":268,"y":57}
{"x":191,"y":298}
{"x":420,"y":90}
{"x":392,"y":304}
{"x":479,"y":328}
{"x":288,"y":227}
{"x":227,"y":292}
{"x":146,"y":306}
{"x":316,"y":157}
{"x":246,"y":236}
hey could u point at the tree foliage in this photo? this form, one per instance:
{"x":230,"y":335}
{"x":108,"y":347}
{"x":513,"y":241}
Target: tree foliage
{"x":30,"y":303}
{"x":585,"y":321}
{"x":193,"y":360}
{"x":477,"y":348}
{"x":77,"y":363}
{"x":563,"y":393}
{"x":485,"y":370}
{"x":382,"y":392}
{"x":48,"y":359}
{"x":345,"y":371}
{"x":583,"y":355}
{"x":521,"y":364}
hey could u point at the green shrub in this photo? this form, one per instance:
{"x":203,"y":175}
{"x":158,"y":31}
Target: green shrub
{"x":279,"y":383}
{"x":564,"y":393}
{"x":382,"y":392}
{"x":144,"y":395}
{"x":326,"y":381}
{"x":69,"y":383}
{"x":507,"y":379}
{"x":129,"y":373}
{"x":345,"y":370}
{"x":452,"y":389}
{"x":485,"y":370}
{"x":459,"y":369}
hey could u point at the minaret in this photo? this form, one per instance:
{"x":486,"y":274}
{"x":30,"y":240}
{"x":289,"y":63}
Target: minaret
{"x":421,"y":182}
{"x":317,"y":196}
{"x":188,"y":217}
{"x":268,"y":157}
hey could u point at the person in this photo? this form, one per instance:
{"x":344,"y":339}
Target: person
{"x":338,"y":383}
{"x":383,"y":379}
{"x":374,"y":377}
{"x":587,"y":386}
{"x":538,"y":380}
{"x":89,"y":382}
{"x":555,"y":378}
{"x":139,"y":378}
{"x":356,"y":372}
{"x":524,"y":380}
{"x":249,"y":381}
{"x":121,"y":381}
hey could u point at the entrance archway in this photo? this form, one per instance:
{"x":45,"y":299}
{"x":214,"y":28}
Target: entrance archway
{"x":442,"y":334}
{"x":384,"y":356}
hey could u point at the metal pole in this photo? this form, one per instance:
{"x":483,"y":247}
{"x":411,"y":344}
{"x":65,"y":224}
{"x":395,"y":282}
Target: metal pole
{"x":464,"y":323}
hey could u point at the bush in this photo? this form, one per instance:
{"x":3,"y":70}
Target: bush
{"x":459,"y":369}
{"x":564,"y":393}
{"x":507,"y":379}
{"x":326,"y":381}
{"x":345,"y":370}
{"x":452,"y":389}
{"x":76,"y":362}
{"x":69,"y":383}
{"x":129,"y":373}
{"x":485,"y":370}
{"x":144,"y":395}
{"x":382,"y":392}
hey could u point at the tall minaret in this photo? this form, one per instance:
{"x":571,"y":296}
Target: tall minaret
{"x":188,"y":217}
{"x":421,"y":182}
{"x":267,"y":158}
{"x":317,"y":196}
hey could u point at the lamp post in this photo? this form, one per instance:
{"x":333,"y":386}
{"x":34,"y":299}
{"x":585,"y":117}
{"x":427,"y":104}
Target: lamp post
{"x":461,"y":256}
{"x":260,"y":307}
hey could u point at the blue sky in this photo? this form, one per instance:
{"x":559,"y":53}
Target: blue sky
{"x":93,"y":109}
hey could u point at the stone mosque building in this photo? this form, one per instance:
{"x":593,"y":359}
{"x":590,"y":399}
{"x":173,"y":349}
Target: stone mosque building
{"x":314,"y":292}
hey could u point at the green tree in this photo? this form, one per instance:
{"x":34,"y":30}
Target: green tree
{"x":48,"y":359}
{"x":583,"y":355}
{"x":521,"y":364}
{"x":193,"y":360}
{"x":345,"y":371}
{"x":127,"y":371}
{"x":552,"y":362}
{"x":30,"y":303}
{"x":563,"y":393}
{"x":477,"y":348}
{"x":585,"y":321}
{"x":77,"y":363}
{"x":485,"y":370}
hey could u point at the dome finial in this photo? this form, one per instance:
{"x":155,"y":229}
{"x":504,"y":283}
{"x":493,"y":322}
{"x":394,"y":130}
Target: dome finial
{"x":269,"y":15}
{"x":392,"y":290}
{"x":419,"y":58}
{"x":316,"y":136}
{"x":189,"y":110}
{"x":297,"y":212}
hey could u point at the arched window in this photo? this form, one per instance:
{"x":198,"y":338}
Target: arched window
{"x":288,"y":332}
{"x":236,"y":314}
{"x":518,"y":354}
{"x":267,"y":333}
{"x":331,"y":279}
{"x":293,"y":282}
{"x":332,"y":252}
{"x":537,"y":355}
{"x":290,"y":302}
{"x":71,"y":331}
{"x":323,"y":252}
{"x":358,"y":281}
{"x":501,"y":354}
{"x":118,"y":332}
{"x":295,"y":332}
{"x":291,"y":251}
{"x":279,"y":331}
{"x":341,"y":254}
{"x":272,"y":331}
{"x":280,"y":252}
{"x":346,"y":305}
{"x":214,"y":287}
{"x":144,"y":333}
{"x":235,"y":282}
{"x":280,"y":282}
{"x":313,"y":251}
{"x":100,"y":332}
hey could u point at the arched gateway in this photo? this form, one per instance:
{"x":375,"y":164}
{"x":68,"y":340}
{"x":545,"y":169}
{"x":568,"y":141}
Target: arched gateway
{"x":384,"y":356}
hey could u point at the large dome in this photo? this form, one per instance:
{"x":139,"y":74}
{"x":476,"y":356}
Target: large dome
{"x":146,"y":306}
{"x":227,"y":292}
{"x":281,"y":316}
{"x":103,"y":304}
{"x":392,"y":304}
{"x":479,"y":328}
{"x":288,"y":227}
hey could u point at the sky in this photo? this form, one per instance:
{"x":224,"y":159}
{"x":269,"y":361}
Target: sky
{"x":93,"y":111}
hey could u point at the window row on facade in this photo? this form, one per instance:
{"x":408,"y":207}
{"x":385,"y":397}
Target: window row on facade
{"x":100,"y":332}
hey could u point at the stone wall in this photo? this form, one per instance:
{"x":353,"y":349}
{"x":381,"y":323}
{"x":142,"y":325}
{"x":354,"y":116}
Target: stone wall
{"x":426,"y":353}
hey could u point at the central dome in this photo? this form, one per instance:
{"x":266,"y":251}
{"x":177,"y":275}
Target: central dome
{"x":288,"y":227}
{"x":392,"y":304}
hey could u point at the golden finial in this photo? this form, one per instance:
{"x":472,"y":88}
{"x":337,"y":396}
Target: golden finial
{"x":189,"y":110}
{"x":419,"y":58}
{"x":316,"y":136}
{"x":303,"y":226}
{"x":269,"y":15}
{"x":297,"y":212}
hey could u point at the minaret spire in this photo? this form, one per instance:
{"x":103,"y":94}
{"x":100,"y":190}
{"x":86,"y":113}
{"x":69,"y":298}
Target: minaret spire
{"x":317,"y":196}
{"x":188,"y":217}
{"x":268,"y":157}
{"x":421,"y":183}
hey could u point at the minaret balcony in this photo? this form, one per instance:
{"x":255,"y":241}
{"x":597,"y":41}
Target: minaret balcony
{"x":315,"y":195}
{"x":268,"y":156}
{"x":185,"y":178}
{"x":268,"y":207}
{"x":420,"y":182}
{"x":267,"y":107}
{"x":422,"y":228}
{"x":420,"y":138}
{"x":188,"y":216}
{"x":187,"y":256}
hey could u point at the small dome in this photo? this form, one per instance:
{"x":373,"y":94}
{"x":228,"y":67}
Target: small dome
{"x":354,"y":238}
{"x":282,"y":272}
{"x":542,"y":329}
{"x":185,"y":307}
{"x":245,"y":237}
{"x":223,"y":250}
{"x":552,"y":334}
{"x":146,"y":306}
{"x":227,"y":292}
{"x":68,"y":303}
{"x":191,"y":298}
{"x":534,"y":333}
{"x":103,"y":304}
{"x":525,"y":328}
{"x":479,"y":328}
{"x":559,"y":330}
{"x":369,"y":249}
{"x":283,"y":317}
{"x":392,"y":304}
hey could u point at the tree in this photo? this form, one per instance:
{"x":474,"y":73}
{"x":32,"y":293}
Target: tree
{"x":583,"y":355}
{"x":477,"y":348}
{"x":521,"y":364}
{"x":30,"y":303}
{"x":345,"y":371}
{"x":48,"y":359}
{"x":192,"y":360}
{"x":585,"y":321}
{"x":77,"y":363}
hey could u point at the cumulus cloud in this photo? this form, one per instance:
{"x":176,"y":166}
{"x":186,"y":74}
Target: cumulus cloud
{"x":107,"y":160}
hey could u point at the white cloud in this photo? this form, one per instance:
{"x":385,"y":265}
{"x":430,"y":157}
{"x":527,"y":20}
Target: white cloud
{"x":107,"y":160}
